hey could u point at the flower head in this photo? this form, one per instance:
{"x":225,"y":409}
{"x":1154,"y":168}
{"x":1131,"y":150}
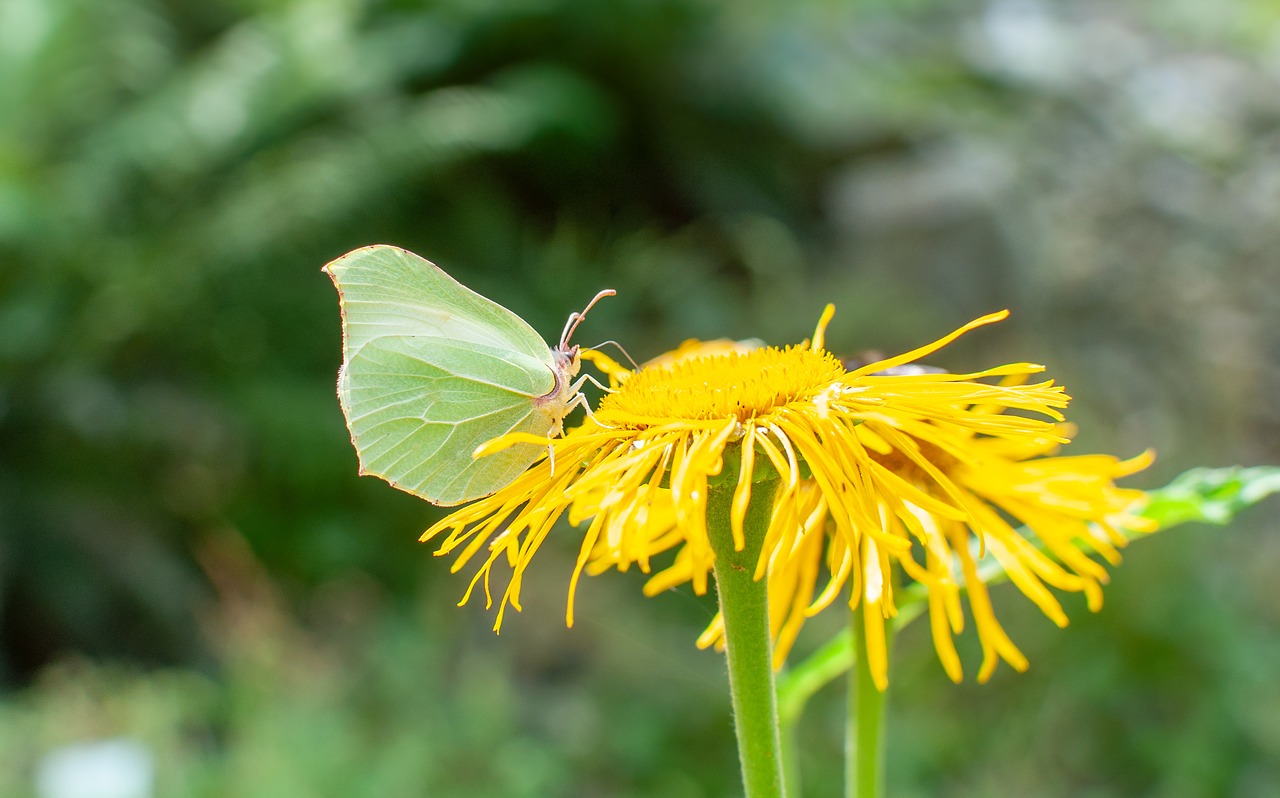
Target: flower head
{"x":878,"y":475}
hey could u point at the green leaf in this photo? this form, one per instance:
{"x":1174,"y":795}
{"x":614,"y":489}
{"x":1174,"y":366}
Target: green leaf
{"x":1211,"y":495}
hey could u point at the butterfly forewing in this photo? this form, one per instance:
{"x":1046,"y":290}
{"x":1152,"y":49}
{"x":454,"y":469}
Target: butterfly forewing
{"x":386,"y":290}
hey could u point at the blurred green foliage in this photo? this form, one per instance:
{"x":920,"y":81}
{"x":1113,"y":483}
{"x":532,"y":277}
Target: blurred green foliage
{"x":173,"y":174}
{"x":365,"y":702}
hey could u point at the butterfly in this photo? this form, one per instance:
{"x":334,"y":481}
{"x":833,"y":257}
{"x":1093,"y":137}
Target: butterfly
{"x":431,"y":370}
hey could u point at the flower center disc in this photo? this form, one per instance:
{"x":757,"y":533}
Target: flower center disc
{"x":742,"y":384}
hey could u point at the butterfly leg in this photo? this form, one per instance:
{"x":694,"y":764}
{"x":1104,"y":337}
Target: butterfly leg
{"x":551,"y":454}
{"x":579,"y":400}
{"x":585,"y":378}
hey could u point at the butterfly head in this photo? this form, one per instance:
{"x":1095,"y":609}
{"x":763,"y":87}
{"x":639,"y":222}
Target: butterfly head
{"x":567,"y":363}
{"x":565,"y":366}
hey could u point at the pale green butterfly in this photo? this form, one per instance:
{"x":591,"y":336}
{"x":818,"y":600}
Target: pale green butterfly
{"x":431,"y":370}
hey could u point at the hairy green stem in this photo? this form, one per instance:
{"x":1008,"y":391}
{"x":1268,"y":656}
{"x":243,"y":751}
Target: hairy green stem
{"x":744,"y":605}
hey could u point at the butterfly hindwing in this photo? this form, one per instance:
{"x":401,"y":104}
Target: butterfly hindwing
{"x":417,"y":408}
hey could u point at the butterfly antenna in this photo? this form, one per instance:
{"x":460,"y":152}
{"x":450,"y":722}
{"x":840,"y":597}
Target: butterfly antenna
{"x":624,"y":352}
{"x":576,"y":318}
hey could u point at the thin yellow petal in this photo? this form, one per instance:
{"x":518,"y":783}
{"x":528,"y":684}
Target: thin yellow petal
{"x":919,"y":352}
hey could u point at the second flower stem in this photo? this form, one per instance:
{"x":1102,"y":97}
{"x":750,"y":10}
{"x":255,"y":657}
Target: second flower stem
{"x":864,"y":738}
{"x":744,"y":606}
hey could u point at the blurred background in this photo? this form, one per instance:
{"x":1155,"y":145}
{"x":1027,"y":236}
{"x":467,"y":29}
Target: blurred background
{"x":193,"y":577}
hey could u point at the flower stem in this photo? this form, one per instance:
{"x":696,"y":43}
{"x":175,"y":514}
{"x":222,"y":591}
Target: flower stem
{"x":864,"y":736}
{"x":744,"y":605}
{"x":791,"y":783}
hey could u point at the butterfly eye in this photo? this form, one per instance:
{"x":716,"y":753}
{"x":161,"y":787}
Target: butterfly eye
{"x":567,"y":358}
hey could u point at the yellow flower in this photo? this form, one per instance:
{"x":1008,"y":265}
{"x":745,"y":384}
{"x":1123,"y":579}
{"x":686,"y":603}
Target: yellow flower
{"x":1070,"y":503}
{"x":877,"y":474}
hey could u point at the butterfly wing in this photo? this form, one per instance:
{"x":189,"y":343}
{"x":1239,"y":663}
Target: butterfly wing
{"x":418,"y":407}
{"x":386,"y":290}
{"x":430,"y":371}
